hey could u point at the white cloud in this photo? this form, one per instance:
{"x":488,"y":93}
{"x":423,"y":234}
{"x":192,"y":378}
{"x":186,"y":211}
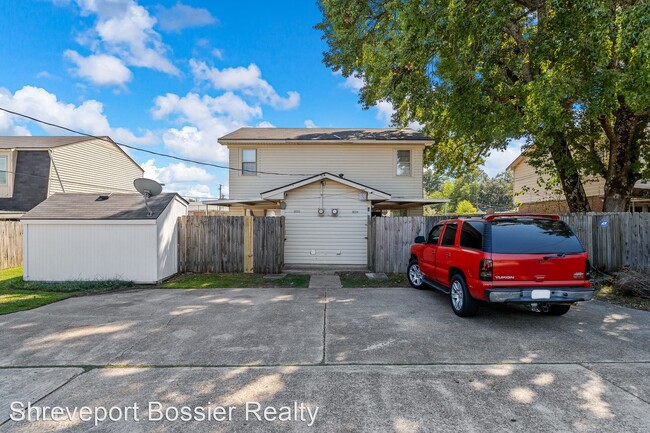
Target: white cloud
{"x":176,"y":172}
{"x":207,"y":119}
{"x":385,"y":111}
{"x":216,"y":52}
{"x":100,"y":69}
{"x":87,"y":117}
{"x":200,"y":144}
{"x":265,"y":124}
{"x":187,"y":180}
{"x":197,"y":109}
{"x":123,"y":30}
{"x":182,"y":16}
{"x":247,"y":80}
{"x":310,"y":124}
{"x":499,"y":160}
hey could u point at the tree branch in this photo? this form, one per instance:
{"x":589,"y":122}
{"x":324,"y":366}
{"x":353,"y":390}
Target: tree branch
{"x":608,"y":129}
{"x":512,"y":30}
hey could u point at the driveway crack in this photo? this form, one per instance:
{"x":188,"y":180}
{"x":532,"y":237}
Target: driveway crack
{"x":627,"y":391}
{"x":34,"y":403}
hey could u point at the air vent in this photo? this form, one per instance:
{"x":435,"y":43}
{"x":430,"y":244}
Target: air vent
{"x":102,"y":198}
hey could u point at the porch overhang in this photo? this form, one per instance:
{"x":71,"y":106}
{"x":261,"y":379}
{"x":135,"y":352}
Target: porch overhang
{"x":279,"y":193}
{"x":254,"y":203}
{"x":406,"y":203}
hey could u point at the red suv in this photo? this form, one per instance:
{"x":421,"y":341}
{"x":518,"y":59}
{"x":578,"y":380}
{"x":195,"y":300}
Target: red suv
{"x":515,"y":258}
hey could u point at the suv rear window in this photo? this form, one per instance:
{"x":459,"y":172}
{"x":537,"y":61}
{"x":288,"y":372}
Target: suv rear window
{"x":533,"y":237}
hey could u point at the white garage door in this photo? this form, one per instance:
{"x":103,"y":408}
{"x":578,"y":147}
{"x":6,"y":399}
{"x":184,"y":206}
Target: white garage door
{"x":313,"y":239}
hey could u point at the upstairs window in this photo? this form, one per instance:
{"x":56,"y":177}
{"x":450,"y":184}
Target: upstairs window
{"x":403,"y":163}
{"x":4,"y":174}
{"x":249,"y":162}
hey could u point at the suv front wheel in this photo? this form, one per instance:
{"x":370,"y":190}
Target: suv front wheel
{"x":415,"y":276}
{"x":461,"y":301}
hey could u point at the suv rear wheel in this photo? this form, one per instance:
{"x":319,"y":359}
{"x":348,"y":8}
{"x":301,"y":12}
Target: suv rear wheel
{"x":416,"y":279}
{"x":461,"y":301}
{"x":557,"y":309}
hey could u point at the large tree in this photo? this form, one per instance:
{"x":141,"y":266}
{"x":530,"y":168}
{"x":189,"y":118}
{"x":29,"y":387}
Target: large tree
{"x":572,"y":77}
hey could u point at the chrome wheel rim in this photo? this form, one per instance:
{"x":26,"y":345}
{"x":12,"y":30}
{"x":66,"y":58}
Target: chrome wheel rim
{"x":457,"y":295}
{"x":415,"y":275}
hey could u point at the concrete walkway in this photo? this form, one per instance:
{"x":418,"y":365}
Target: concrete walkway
{"x":371,"y":360}
{"x":324,"y":281}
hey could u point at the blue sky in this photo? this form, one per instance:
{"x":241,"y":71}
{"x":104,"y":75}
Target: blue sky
{"x":173,"y":76}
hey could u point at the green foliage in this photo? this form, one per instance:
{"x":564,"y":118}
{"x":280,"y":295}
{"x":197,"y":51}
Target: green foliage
{"x":465,"y":207}
{"x":479,"y":73}
{"x":476,"y":187}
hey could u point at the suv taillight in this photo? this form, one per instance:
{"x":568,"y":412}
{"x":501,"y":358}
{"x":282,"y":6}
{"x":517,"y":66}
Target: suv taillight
{"x":587,"y":270}
{"x":485,"y":270}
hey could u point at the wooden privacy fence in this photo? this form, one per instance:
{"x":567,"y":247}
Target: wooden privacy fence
{"x":11,"y":244}
{"x":231,"y":244}
{"x":613,"y":240}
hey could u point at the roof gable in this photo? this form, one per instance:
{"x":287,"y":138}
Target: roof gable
{"x":372,"y":192}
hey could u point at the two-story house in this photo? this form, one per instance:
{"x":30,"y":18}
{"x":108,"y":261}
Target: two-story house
{"x":326,"y":183}
{"x":34,"y":168}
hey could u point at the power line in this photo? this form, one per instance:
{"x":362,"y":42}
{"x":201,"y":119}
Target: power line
{"x":152,"y":152}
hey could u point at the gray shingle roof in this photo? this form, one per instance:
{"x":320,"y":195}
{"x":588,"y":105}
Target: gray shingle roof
{"x":39,"y":142}
{"x":87,"y":207}
{"x":329,"y":134}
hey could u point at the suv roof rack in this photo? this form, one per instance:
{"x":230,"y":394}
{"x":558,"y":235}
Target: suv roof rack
{"x":521,"y":215}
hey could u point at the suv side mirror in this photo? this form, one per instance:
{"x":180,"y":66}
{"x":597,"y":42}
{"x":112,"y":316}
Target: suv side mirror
{"x":420,"y":240}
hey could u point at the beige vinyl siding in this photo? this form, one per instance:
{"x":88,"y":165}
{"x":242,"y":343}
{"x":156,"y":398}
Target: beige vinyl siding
{"x":527,"y":189}
{"x":92,"y":166}
{"x":369,"y":164}
{"x":337,"y":240}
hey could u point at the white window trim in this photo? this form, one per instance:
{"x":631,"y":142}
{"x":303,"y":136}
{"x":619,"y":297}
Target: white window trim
{"x":7,"y":169}
{"x":410,"y":151}
{"x":241,"y":161}
{"x":7,"y":188}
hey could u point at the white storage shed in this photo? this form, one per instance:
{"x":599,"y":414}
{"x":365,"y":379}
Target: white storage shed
{"x":102,"y":237}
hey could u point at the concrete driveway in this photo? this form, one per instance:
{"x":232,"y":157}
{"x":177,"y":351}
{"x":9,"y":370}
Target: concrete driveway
{"x":370,"y":360}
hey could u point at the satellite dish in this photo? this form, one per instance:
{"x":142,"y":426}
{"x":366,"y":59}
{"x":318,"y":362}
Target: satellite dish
{"x":148,"y":188}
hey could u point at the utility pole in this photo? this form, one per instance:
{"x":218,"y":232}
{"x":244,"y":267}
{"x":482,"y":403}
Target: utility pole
{"x":220,"y":196}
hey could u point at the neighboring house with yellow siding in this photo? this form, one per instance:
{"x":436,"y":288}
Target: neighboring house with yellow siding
{"x":531,"y":195}
{"x":34,"y":168}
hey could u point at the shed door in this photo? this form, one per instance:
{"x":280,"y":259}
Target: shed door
{"x":327,"y":239}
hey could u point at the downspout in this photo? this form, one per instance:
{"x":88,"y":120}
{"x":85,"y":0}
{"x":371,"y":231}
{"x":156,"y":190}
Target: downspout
{"x":56,"y":171}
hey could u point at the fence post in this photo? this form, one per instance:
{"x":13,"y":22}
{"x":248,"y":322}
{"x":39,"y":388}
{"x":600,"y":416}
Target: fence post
{"x":248,"y":244}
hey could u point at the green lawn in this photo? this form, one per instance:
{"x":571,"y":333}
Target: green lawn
{"x":358,"y":280}
{"x":226,"y":281}
{"x":18,"y":295}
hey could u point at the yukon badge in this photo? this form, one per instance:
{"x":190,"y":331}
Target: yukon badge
{"x":579,"y":276}
{"x":504,"y":277}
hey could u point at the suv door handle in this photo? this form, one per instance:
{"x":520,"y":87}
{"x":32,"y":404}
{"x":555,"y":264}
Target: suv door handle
{"x":448,"y":255}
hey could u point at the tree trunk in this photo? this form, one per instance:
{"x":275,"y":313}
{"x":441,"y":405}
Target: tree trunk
{"x":569,"y":175}
{"x":624,"y":154}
